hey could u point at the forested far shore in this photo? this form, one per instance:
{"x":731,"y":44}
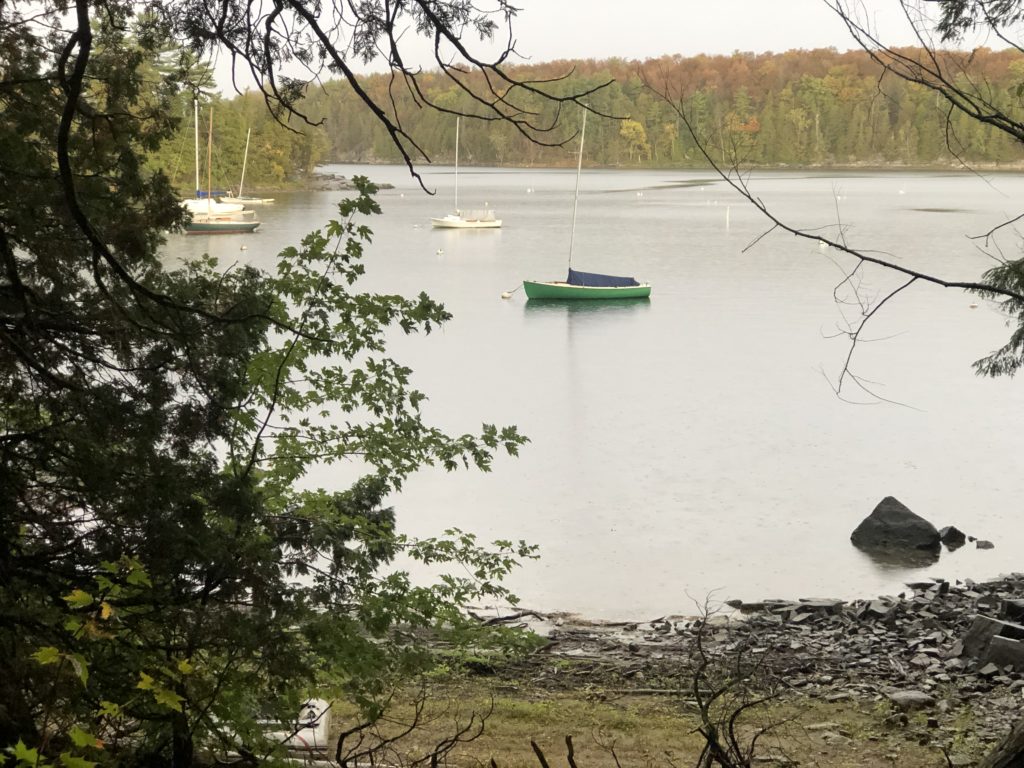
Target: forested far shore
{"x":815,"y":108}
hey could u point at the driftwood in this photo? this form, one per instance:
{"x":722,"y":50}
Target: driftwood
{"x":511,"y":617}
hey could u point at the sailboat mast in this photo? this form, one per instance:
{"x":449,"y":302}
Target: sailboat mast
{"x":576,"y":198}
{"x":195,"y":111}
{"x":209,"y":167}
{"x":456,"y":164}
{"x":245,"y":159}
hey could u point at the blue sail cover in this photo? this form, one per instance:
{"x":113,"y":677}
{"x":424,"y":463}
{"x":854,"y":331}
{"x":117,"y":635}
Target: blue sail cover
{"x":596,"y":280}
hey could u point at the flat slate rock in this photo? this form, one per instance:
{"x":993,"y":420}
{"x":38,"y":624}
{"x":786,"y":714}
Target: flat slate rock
{"x":910,"y":700}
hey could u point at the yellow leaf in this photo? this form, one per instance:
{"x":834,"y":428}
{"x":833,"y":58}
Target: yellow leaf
{"x":106,"y":610}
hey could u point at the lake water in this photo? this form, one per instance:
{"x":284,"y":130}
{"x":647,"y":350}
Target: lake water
{"x":693,"y":444}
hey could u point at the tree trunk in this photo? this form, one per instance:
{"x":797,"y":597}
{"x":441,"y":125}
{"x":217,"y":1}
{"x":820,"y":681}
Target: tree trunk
{"x":16,"y":723}
{"x":181,"y":743}
{"x":1009,"y":753}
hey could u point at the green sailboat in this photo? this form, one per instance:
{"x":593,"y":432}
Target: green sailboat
{"x":585,"y":285}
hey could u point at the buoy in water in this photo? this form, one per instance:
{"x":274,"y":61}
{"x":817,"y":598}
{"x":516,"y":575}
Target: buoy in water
{"x":243,"y":248}
{"x":440,"y":252}
{"x":506,"y":295}
{"x":974,"y":306}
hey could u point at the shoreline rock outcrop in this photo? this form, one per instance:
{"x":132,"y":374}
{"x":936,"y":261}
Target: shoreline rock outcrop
{"x":892,"y":526}
{"x":335,"y":182}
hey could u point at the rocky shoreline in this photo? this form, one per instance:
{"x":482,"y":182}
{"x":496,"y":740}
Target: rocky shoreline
{"x":923,"y":651}
{"x":334,"y":182}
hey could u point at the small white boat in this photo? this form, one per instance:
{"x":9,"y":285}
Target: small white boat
{"x":241,"y":199}
{"x":468,"y":220}
{"x":465,"y":220}
{"x":209,"y":206}
{"x":246,"y":200}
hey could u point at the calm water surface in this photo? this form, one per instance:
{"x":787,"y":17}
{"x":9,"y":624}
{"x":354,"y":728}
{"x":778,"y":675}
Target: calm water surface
{"x":693,"y":444}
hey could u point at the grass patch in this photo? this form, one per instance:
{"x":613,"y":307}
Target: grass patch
{"x":657,"y":730}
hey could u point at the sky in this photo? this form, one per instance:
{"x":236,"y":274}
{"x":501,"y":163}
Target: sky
{"x":547,"y":30}
{"x":550,"y":29}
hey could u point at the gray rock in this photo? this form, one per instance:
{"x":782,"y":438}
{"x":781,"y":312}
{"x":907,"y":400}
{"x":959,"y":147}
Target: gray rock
{"x":1012,"y":609}
{"x":835,"y":739}
{"x":979,"y":637}
{"x":828,"y":726}
{"x":878,"y":608}
{"x":1006,"y":651}
{"x":892,"y":526}
{"x":911,"y":700}
{"x":982,"y":544}
{"x":952,"y":536}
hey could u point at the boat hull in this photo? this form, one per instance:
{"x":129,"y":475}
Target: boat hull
{"x":556,"y":290}
{"x":457,"y":222}
{"x":220,"y":227}
{"x":247,"y":200}
{"x":205,"y":206}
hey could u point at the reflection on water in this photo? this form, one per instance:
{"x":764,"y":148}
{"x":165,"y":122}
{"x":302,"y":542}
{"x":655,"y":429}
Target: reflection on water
{"x":897,"y":559}
{"x":604,"y":306}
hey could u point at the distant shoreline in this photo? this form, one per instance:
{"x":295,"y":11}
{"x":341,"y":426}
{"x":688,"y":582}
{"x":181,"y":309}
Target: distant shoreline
{"x":1017,"y":167}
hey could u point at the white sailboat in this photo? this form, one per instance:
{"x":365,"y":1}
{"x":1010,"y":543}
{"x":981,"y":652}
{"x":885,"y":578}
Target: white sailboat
{"x":240,"y":198}
{"x":208,"y":216}
{"x":483,"y":219}
{"x":205,"y":205}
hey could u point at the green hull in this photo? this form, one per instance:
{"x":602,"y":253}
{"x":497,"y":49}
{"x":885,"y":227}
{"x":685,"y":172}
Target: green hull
{"x":566,"y":291}
{"x":220,"y":227}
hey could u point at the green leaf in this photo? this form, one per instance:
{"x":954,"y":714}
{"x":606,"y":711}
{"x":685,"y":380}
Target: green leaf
{"x":81,"y":738}
{"x":146,"y":682}
{"x":81,"y":666}
{"x":185,"y":668}
{"x":78,"y":598}
{"x":47,"y":655}
{"x":168,"y":699}
{"x":137,"y":576}
{"x":23,"y":754}
{"x":72,"y":761}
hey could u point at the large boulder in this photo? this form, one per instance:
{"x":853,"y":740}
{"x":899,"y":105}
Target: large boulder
{"x":892,"y":526}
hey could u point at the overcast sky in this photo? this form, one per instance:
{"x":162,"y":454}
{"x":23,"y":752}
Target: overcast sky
{"x":546,"y":30}
{"x":551,"y":29}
